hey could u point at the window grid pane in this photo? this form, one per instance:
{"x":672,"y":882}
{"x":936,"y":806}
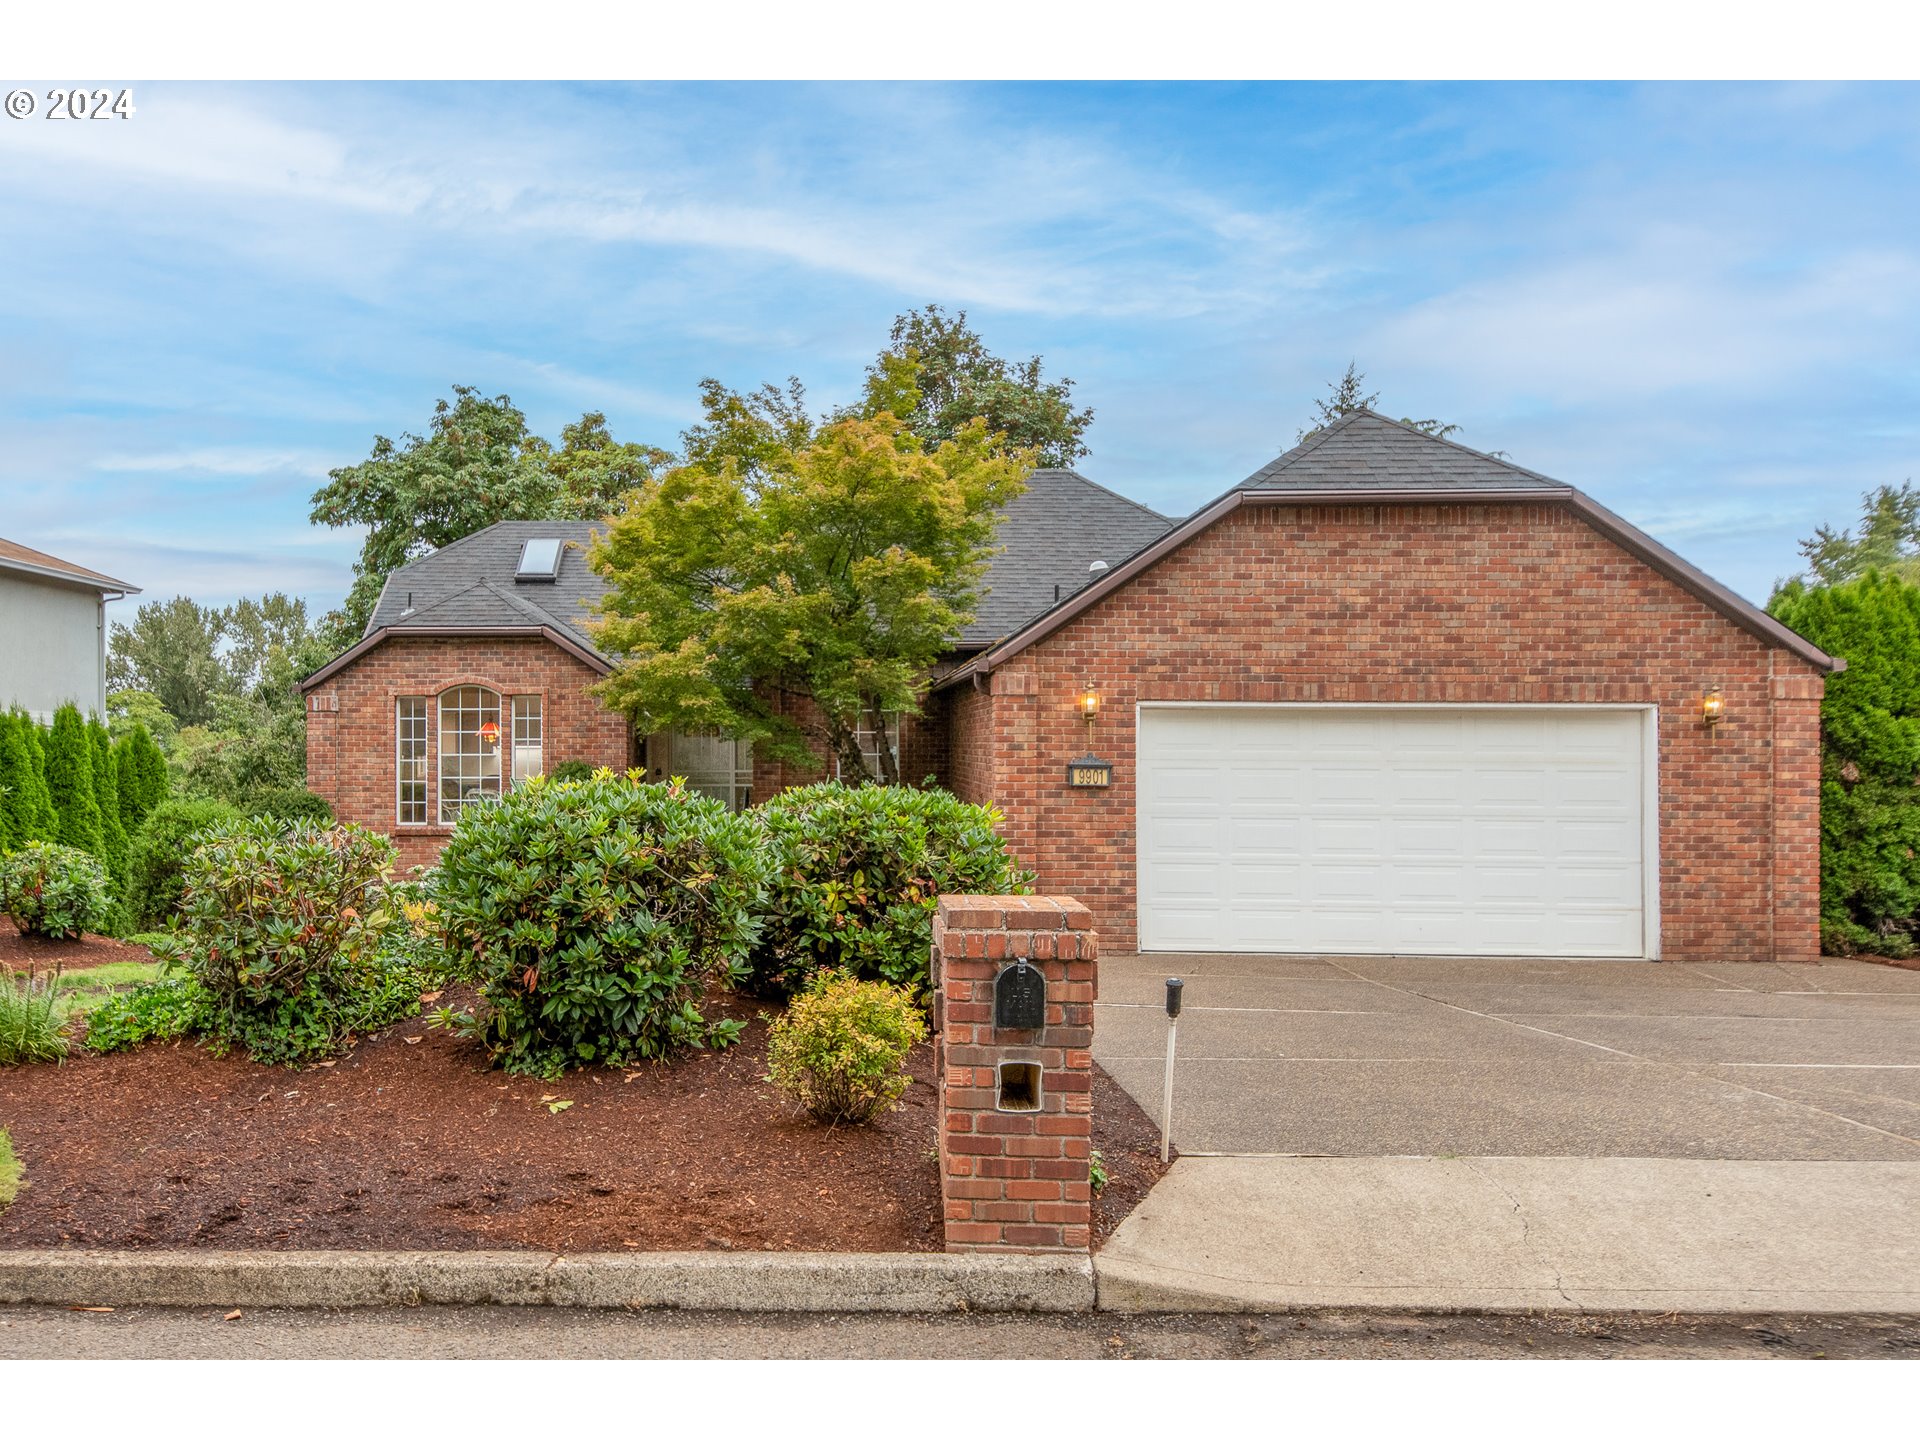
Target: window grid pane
{"x":469,"y":760}
{"x":868,"y":741}
{"x":410,"y":759}
{"x":526,"y":736}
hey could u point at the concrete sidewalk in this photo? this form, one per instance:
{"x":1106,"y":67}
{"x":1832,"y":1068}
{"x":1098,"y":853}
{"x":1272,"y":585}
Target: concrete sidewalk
{"x":1590,"y":1235}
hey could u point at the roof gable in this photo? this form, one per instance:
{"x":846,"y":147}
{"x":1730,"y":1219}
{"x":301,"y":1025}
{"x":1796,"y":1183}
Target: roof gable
{"x":1365,"y":458}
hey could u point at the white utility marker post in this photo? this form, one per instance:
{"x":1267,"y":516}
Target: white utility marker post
{"x":1174,"y":987}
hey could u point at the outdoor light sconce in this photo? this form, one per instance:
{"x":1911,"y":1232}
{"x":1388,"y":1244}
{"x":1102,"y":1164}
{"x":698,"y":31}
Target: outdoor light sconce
{"x":1713,"y":708}
{"x":1089,"y":772}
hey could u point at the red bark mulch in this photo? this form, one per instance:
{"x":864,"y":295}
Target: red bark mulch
{"x":408,"y":1143}
{"x":37,"y":952}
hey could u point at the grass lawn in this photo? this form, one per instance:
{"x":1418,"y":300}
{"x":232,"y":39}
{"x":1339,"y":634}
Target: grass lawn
{"x":9,"y":1172}
{"x":84,"y":990}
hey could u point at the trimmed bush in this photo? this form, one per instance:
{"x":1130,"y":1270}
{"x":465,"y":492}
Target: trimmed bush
{"x":571,"y":772}
{"x":31,"y":1017}
{"x":161,"y":848}
{"x":289,"y":804}
{"x":840,"y":1049}
{"x":858,"y":872}
{"x":283,"y":927}
{"x":1869,"y":760}
{"x":55,"y":890}
{"x":593,"y":915}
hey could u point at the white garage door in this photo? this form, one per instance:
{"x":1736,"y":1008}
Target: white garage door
{"x":1374,"y":830}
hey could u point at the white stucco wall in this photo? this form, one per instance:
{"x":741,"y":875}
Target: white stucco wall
{"x":52,"y":647}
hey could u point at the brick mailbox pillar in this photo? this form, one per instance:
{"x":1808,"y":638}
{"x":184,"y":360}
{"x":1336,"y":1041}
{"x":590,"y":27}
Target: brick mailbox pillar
{"x":1016,"y":1100}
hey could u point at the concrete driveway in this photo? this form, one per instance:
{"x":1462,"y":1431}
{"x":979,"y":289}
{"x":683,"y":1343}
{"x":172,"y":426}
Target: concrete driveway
{"x":1392,"y":1056}
{"x":1522,"y":1135}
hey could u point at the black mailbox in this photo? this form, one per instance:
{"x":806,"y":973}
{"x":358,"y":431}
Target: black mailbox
{"x":1020,"y":997}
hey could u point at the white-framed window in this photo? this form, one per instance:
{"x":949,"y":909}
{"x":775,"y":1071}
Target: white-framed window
{"x":868,"y":739}
{"x":469,"y":749}
{"x":711,"y":764}
{"x":526,"y":737}
{"x":410,"y":759}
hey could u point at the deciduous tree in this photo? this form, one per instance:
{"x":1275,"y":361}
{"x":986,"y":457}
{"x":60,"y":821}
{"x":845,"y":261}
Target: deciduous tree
{"x":789,"y":564}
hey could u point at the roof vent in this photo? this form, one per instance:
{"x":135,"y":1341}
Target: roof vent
{"x":539,"y":561}
{"x":1098,"y":567}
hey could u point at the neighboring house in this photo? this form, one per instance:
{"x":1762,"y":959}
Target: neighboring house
{"x":1386,"y":696}
{"x":53,"y":632}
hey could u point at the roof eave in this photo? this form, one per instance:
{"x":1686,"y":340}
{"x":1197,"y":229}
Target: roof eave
{"x":587,"y":656}
{"x":100,"y":584}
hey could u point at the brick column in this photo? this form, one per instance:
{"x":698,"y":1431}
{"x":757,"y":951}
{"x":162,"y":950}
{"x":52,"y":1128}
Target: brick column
{"x":1013,"y":1165}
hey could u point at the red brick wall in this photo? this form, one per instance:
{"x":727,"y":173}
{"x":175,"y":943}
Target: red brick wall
{"x":1429,"y":603}
{"x":350,"y":722}
{"x":1014,"y":1180}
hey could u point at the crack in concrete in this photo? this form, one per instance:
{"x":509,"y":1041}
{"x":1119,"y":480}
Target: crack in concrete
{"x":1526,"y":1229}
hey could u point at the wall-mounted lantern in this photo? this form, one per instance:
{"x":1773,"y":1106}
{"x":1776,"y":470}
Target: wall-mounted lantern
{"x":1713,"y":709}
{"x":1090,"y":705}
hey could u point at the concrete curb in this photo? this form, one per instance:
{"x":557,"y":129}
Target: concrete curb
{"x":694,"y":1280}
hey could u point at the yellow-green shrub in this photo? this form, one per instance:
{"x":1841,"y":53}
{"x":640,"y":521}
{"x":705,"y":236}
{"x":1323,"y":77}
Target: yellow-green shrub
{"x":841,"y":1047}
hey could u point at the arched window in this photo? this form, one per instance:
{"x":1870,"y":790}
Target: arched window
{"x":470,"y":745}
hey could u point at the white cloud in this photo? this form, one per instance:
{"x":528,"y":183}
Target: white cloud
{"x":221,"y":461}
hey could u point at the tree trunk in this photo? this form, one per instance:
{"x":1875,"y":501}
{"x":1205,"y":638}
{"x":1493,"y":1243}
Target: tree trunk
{"x":845,"y":746}
{"x":889,"y":762}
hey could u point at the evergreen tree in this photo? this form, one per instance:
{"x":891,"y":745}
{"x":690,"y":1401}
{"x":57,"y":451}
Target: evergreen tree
{"x":140,"y":772}
{"x":18,"y":818}
{"x":1870,"y":758}
{"x":106,"y":790}
{"x":70,"y":782}
{"x":44,"y":823}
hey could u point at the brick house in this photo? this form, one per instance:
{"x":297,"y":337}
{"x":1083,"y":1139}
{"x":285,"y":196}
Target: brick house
{"x":1387,"y":695}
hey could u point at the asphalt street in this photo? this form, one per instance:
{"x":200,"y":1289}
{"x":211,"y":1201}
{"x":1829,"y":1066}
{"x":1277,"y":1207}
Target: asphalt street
{"x":507,"y":1333}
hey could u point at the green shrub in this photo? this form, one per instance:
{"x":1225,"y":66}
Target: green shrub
{"x":70,"y":783}
{"x":23,"y":798}
{"x":858,"y":872}
{"x":140,"y":775}
{"x":570,"y":772}
{"x":283,"y":926}
{"x":163,"y":1010}
{"x":290,"y":804}
{"x":593,"y":916}
{"x":55,"y":890}
{"x":31,"y":1017}
{"x":161,"y":848}
{"x":840,"y":1049}
{"x":106,"y":789}
{"x":1870,"y":759}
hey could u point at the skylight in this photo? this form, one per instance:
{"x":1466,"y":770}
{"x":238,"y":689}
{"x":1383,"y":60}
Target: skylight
{"x":539,"y":559}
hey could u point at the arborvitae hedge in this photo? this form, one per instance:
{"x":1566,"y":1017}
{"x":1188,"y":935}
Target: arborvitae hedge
{"x":106,"y":790}
{"x":140,"y":772}
{"x":20,"y":782}
{"x":71,"y":784}
{"x":1870,"y":759}
{"x":46,"y":819}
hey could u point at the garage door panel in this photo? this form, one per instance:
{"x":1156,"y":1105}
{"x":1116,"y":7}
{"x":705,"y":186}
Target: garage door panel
{"x":1378,"y":831}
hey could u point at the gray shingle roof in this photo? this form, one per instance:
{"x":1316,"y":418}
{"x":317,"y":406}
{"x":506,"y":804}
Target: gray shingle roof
{"x":1050,"y":535}
{"x":470,"y":583}
{"x":1366,"y":451}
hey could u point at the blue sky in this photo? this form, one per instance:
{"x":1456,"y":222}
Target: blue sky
{"x":1700,"y":304}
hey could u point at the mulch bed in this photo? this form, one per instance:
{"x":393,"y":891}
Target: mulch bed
{"x":408,"y":1143}
{"x":1898,"y":962}
{"x":37,"y":952}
